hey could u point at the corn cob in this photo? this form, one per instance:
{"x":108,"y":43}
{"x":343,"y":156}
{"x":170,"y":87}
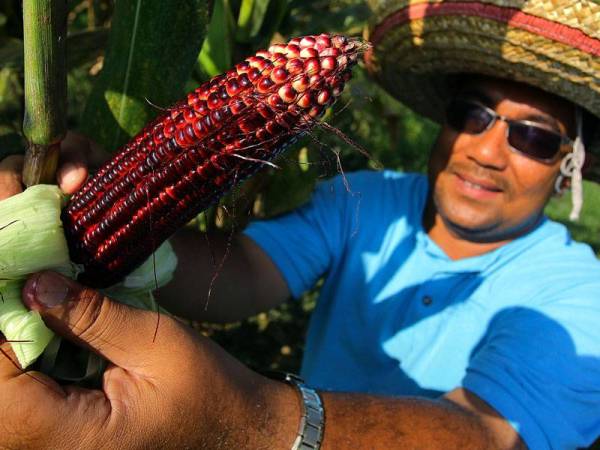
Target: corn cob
{"x":193,"y":153}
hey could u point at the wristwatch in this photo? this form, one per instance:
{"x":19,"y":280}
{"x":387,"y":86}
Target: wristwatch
{"x":312,"y":422}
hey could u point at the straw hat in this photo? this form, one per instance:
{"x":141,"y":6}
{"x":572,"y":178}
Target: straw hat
{"x":551,"y":44}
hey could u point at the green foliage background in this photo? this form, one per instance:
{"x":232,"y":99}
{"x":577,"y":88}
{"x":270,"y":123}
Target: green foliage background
{"x":175,"y":57}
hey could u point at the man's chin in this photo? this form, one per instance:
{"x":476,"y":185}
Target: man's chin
{"x":475,"y":231}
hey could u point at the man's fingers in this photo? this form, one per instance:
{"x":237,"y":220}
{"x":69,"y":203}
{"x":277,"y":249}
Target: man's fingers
{"x":10,"y":176}
{"x":71,"y":176}
{"x":121,"y":334}
{"x":9,"y":366}
{"x":73,"y":165}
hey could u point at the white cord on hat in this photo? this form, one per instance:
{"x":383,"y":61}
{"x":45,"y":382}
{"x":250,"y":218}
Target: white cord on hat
{"x":571,"y":166}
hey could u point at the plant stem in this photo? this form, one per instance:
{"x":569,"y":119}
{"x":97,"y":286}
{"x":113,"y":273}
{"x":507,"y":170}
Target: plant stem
{"x":45,"y":122}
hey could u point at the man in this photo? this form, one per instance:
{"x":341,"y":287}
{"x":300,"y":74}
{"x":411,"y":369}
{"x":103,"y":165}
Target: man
{"x":471,"y":316}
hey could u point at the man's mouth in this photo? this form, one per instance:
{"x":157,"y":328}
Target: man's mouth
{"x":477,"y":186}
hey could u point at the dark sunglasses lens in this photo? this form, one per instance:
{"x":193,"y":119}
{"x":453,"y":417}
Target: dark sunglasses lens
{"x":468,"y":117}
{"x":534,"y":141}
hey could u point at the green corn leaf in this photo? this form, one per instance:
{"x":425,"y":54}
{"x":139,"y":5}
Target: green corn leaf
{"x":251,"y":18}
{"x":152,"y":48}
{"x":217,"y":52}
{"x":276,"y":11}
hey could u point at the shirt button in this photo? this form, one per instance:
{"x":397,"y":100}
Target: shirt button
{"x":427,"y":300}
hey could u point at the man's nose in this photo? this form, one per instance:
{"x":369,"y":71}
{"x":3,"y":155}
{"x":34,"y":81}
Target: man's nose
{"x":490,"y":149}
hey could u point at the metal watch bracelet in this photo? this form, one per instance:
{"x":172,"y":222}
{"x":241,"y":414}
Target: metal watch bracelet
{"x":312,"y":422}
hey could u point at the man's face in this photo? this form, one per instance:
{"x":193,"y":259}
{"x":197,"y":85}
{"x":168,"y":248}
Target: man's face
{"x":482,"y":189}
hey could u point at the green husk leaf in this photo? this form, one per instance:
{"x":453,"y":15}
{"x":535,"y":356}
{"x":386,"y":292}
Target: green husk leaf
{"x":25,"y":329}
{"x":31,"y":239}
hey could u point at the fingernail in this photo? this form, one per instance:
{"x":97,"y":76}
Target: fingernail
{"x":48,"y":290}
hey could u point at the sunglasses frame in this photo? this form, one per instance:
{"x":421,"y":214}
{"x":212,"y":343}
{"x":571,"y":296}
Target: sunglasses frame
{"x":564,"y":140}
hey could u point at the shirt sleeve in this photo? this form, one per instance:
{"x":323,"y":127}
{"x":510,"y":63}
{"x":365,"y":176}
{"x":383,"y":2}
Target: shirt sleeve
{"x":303,"y":243}
{"x":540,"y":369}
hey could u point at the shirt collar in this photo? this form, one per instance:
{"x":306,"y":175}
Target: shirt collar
{"x":480,"y":263}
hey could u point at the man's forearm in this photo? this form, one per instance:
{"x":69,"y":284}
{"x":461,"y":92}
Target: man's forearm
{"x":359,"y":421}
{"x":221,"y":278}
{"x":365,"y":422}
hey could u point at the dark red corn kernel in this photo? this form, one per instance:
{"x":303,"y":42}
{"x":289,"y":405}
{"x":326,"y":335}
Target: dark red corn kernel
{"x":213,"y":101}
{"x":307,"y":41}
{"x":305,"y":100}
{"x":200,"y":107}
{"x":237,"y":106}
{"x":309,"y":53}
{"x":264,"y":85}
{"x":285,"y":120}
{"x":278,"y":48}
{"x":216,"y":81}
{"x":287,"y":93}
{"x":255,"y":61}
{"x":274,"y":100}
{"x":233,"y":87}
{"x":216,"y":115}
{"x":188,"y":114}
{"x":292,"y":51}
{"x":337,"y":88}
{"x":315,"y":111}
{"x":186,"y":159}
{"x":328,"y":64}
{"x":323,"y":41}
{"x":339,"y":41}
{"x":273,"y":127}
{"x":253,"y":74}
{"x":264,"y":110}
{"x":242,"y":67}
{"x":266,"y":67}
{"x":301,"y":83}
{"x":330,"y":51}
{"x":262,"y":134}
{"x":312,"y":66}
{"x":316,"y":82}
{"x":264,"y":54}
{"x":279,"y":75}
{"x":324,"y":97}
{"x":295,"y":66}
{"x":279,"y":60}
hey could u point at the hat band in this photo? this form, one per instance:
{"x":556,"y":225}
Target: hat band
{"x":511,"y":16}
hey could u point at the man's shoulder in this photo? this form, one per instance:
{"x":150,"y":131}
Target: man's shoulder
{"x":381,"y":182}
{"x":551,"y":265}
{"x":386,"y":176}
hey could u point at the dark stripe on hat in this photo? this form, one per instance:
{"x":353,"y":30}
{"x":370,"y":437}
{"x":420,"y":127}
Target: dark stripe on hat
{"x":516,"y":18}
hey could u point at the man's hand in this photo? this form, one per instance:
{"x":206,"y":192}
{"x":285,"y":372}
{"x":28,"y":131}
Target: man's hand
{"x":178,"y":390}
{"x":77,"y":153}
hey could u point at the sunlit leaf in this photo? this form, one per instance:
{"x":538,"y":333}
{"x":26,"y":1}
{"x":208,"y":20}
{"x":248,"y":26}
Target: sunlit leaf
{"x":251,"y":18}
{"x":152,"y":49}
{"x":217,"y":52}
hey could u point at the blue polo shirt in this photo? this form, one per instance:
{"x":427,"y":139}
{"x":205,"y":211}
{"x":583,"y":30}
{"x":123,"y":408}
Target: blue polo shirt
{"x":518,"y":326}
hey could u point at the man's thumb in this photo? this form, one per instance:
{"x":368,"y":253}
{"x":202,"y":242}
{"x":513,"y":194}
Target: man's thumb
{"x":87,"y":317}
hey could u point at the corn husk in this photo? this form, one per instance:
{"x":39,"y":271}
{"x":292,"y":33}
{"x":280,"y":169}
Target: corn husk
{"x":32,"y":239}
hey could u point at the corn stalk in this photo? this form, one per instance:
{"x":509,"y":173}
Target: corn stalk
{"x":44,"y":125}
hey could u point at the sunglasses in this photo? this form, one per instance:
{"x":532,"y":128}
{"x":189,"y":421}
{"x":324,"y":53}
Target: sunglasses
{"x":525,"y":137}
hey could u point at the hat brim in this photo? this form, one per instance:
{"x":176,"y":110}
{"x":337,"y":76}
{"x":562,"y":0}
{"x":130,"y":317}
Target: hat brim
{"x":418,"y":43}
